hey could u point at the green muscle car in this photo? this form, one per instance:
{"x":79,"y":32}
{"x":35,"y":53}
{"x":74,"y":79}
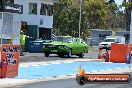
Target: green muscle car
{"x":65,"y":46}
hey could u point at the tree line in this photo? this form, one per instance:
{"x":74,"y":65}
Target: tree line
{"x":96,"y":14}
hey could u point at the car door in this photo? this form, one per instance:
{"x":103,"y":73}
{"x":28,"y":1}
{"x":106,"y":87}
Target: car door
{"x":74,"y":46}
{"x":82,"y":46}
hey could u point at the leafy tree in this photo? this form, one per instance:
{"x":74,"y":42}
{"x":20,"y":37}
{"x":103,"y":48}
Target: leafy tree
{"x":127,"y":12}
{"x":7,"y":1}
{"x":95,"y":14}
{"x":112,"y":20}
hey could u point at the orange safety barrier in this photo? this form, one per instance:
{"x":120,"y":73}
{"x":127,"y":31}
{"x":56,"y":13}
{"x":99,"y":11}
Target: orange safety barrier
{"x":3,"y":70}
{"x":119,"y":52}
{"x":10,"y":60}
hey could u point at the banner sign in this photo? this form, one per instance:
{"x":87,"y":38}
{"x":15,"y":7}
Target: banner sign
{"x":10,"y":54}
{"x":103,"y":78}
{"x":12,"y":8}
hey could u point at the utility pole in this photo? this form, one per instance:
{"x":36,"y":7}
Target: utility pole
{"x":130,"y":41}
{"x":80,"y":17}
{"x":131,"y":29}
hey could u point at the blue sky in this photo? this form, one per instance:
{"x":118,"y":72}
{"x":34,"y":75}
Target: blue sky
{"x":118,"y":1}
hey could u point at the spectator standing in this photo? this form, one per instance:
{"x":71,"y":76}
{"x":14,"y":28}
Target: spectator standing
{"x":22,"y":42}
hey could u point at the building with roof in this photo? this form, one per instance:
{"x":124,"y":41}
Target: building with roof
{"x":37,"y":16}
{"x":98,"y":35}
{"x":35,"y":19}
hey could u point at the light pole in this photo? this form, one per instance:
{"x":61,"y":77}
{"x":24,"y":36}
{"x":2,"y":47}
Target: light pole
{"x":131,"y":29}
{"x":80,"y":17}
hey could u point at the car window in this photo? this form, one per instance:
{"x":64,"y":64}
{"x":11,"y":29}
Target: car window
{"x":62,"y":39}
{"x":109,"y":40}
{"x":83,"y":41}
{"x":80,"y":40}
{"x":75,"y":40}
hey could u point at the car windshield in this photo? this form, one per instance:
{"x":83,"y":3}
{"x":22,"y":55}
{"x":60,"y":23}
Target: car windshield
{"x":109,"y":40}
{"x":62,"y":39}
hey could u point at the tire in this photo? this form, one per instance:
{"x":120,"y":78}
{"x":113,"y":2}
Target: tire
{"x":60,"y":55}
{"x":69,"y":53}
{"x":82,"y":54}
{"x":46,"y":54}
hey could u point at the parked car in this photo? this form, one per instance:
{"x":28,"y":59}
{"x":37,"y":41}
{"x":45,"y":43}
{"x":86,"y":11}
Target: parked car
{"x":106,"y":44}
{"x":65,"y":46}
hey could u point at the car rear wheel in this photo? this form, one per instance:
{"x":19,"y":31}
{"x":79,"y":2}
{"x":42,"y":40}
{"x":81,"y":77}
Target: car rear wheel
{"x":46,"y":54}
{"x":82,"y":54}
